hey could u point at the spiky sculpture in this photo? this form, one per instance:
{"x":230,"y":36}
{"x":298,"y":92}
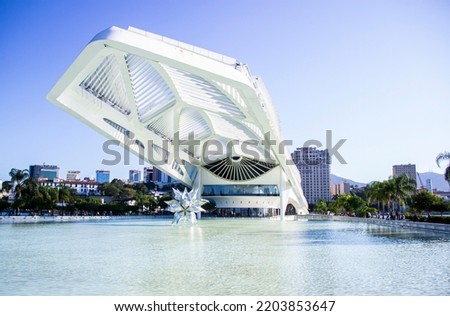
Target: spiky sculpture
{"x":185,"y":205}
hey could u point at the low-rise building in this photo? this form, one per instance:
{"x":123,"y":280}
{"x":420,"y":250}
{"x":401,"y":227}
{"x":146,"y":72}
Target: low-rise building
{"x":340,"y":188}
{"x":73,"y":175}
{"x":81,"y":187}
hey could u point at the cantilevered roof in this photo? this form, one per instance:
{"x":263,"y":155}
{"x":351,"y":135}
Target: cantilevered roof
{"x":148,"y":91}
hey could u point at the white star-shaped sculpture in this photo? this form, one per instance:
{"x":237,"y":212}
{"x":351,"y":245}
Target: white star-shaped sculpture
{"x":185,"y":205}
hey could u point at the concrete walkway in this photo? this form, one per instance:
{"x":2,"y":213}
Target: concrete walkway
{"x":48,"y":219}
{"x":393,"y":223}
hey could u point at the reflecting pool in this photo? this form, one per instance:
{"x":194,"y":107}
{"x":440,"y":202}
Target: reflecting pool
{"x":148,"y":256}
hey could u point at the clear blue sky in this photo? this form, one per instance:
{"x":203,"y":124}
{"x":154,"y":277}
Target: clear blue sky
{"x":376,"y":73}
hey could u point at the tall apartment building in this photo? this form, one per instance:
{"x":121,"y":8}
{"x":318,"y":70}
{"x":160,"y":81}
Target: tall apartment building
{"x":73,"y":175}
{"x":148,"y":174}
{"x":409,"y":170}
{"x":44,"y":171}
{"x":155,"y":175}
{"x":134,"y":176}
{"x":102,"y":176}
{"x":314,"y":168}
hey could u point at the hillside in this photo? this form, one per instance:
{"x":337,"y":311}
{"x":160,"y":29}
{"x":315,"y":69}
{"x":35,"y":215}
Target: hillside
{"x":437,"y":180}
{"x":336,"y":180}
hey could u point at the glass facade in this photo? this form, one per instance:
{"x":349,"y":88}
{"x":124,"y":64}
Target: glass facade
{"x":50,"y":172}
{"x":247,"y":212}
{"x":240,"y":190}
{"x":102,"y":176}
{"x":134,"y":176}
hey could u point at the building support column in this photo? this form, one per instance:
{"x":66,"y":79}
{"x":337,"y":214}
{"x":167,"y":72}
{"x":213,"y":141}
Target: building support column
{"x":282,"y":195}
{"x":197,"y":185}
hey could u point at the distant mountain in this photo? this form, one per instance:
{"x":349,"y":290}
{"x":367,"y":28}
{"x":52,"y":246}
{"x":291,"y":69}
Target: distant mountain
{"x":336,"y":180}
{"x":437,"y":180}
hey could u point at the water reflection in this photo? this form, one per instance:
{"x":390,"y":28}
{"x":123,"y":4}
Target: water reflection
{"x":221,"y":257}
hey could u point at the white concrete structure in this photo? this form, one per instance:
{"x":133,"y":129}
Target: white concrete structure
{"x":196,"y":115}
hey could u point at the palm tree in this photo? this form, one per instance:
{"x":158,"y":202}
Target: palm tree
{"x":65,"y":195}
{"x":373,"y":193}
{"x":386,"y":194}
{"x":6,"y":186}
{"x":390,"y":192}
{"x":29,"y":194}
{"x":17,"y":178}
{"x":382,"y":193}
{"x":442,"y":157}
{"x":402,"y":188}
{"x":30,"y":188}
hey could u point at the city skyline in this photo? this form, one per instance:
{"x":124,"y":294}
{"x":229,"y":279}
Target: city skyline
{"x":374,"y":74}
{"x":76,"y":175}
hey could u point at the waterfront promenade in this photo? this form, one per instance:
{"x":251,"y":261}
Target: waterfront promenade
{"x":49,"y":219}
{"x":385,"y":222}
{"x":313,"y":217}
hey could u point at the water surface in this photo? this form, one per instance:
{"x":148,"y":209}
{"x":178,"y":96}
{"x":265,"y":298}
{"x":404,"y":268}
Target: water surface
{"x":221,"y":257}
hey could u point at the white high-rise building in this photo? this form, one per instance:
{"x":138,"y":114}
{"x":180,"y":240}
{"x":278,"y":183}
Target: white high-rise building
{"x":314,"y":167}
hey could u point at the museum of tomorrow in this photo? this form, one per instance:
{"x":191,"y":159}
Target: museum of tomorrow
{"x":196,"y":115}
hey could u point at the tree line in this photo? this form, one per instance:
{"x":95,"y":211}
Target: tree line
{"x":30,"y":196}
{"x":391,"y":197}
{"x":388,"y":196}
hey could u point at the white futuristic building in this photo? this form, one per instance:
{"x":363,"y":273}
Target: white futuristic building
{"x":194,"y":114}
